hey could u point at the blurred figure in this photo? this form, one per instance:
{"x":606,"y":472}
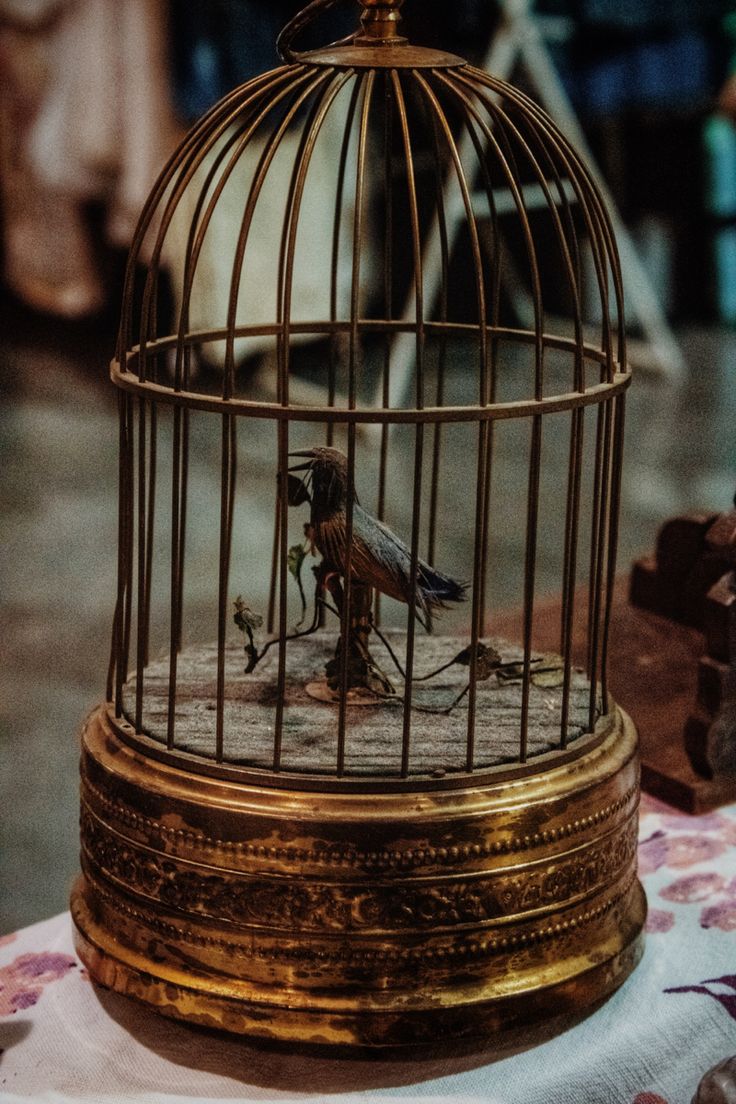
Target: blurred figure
{"x":85,"y":96}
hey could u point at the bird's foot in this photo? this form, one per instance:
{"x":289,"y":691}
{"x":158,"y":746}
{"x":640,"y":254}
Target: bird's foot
{"x":362,"y":673}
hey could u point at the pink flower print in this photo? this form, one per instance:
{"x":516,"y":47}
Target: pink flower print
{"x":648,"y":1098}
{"x":663,"y":849}
{"x":652,"y":853}
{"x":695,"y":887}
{"x":722,"y":915}
{"x":10,"y":938}
{"x":659,"y":920}
{"x":728,"y":831}
{"x":24,"y":980}
{"x":687,"y":850}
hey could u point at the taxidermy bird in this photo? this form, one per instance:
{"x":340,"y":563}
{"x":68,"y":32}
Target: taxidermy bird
{"x":379,"y":558}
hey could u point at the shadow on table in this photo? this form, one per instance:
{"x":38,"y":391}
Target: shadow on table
{"x":13,"y":1033}
{"x":289,"y":1067}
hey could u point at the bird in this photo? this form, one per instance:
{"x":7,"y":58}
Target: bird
{"x":379,"y":557}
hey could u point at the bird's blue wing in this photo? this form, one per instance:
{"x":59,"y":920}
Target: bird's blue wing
{"x":382,"y":559}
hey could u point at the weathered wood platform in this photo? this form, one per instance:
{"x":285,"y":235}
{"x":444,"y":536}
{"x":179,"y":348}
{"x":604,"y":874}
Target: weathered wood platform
{"x":373,"y":732}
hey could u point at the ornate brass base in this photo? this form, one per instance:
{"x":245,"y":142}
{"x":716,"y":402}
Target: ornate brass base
{"x":372,"y":918}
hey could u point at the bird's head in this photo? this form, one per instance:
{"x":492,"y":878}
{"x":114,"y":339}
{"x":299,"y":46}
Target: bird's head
{"x":326,"y":469}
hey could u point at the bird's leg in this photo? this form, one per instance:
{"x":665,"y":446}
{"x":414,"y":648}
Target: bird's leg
{"x":388,"y":648}
{"x":363,"y":671}
{"x":330,"y":581}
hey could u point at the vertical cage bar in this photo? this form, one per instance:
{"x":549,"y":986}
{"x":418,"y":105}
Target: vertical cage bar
{"x":442,"y":356}
{"x":615,"y":509}
{"x":490,"y":396}
{"x":366,"y":83}
{"x":174,"y":574}
{"x":597,"y":582}
{"x":150,"y":527}
{"x":347,"y":597}
{"x":142,"y":561}
{"x":116,"y":673}
{"x":594,"y":526}
{"x":227,"y":480}
{"x":184,"y":491}
{"x":335,"y":258}
{"x":529,"y":576}
{"x":388,"y":249}
{"x":283,"y":507}
{"x":275,"y":545}
{"x":419,"y":429}
{"x":129,"y":531}
{"x":572,"y":518}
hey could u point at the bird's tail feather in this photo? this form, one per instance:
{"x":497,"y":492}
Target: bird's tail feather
{"x":438,"y":589}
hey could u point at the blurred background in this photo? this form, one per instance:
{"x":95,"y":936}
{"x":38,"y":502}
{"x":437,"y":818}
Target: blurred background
{"x":94,"y":95}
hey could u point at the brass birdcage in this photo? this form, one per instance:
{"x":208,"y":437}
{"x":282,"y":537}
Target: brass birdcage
{"x":360,"y":817}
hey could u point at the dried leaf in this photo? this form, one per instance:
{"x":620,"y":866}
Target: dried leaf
{"x":245,"y":618}
{"x":295,"y":557}
{"x":487,"y":659}
{"x":487,"y":662}
{"x":549,"y":672}
{"x":247,"y":621}
{"x":552,"y":659}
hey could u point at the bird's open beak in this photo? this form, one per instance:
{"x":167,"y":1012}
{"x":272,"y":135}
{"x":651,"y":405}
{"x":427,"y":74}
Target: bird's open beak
{"x":302,"y":467}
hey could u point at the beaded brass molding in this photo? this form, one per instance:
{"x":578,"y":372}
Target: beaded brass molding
{"x":329,"y":856}
{"x":377,"y":912}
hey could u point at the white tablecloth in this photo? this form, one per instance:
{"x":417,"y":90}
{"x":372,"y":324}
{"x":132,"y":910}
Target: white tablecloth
{"x":65,"y":1040}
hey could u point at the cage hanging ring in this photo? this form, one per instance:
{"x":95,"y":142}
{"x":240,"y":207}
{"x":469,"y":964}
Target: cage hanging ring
{"x":296,"y":25}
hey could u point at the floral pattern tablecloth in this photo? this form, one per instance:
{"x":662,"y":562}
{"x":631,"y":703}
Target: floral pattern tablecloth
{"x":62,"y":1039}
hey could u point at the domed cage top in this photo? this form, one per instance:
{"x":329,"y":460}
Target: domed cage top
{"x":426,"y":275}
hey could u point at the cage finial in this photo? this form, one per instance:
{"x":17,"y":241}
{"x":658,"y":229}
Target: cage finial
{"x":379,"y":23}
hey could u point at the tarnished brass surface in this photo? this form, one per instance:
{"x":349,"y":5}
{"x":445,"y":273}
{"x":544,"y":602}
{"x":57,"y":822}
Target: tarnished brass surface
{"x":384,"y":57}
{"x":366,"y":918}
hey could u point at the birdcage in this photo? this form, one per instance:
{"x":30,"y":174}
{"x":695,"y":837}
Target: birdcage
{"x":325,"y":800}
